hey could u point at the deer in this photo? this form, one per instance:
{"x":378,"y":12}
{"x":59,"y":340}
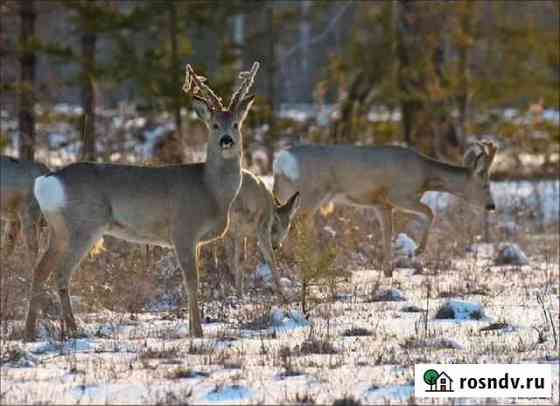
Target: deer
{"x":177,"y":206}
{"x":18,"y":206}
{"x":386,"y":178}
{"x":255,"y":213}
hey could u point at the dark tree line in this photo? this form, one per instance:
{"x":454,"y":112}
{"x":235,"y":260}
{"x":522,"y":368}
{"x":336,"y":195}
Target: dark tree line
{"x":437,"y":63}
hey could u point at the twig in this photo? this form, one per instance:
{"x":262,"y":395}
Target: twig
{"x":548,"y":318}
{"x":314,"y":40}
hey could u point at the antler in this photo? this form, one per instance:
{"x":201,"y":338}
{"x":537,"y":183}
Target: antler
{"x":248,"y":78}
{"x":473,"y":153}
{"x":196,"y":84}
{"x":490,"y":149}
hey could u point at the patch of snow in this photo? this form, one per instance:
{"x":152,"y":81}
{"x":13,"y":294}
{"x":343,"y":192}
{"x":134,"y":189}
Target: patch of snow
{"x":510,"y":254}
{"x":110,"y":393}
{"x":509,"y":196}
{"x":404,"y":246}
{"x":228,"y":394}
{"x":283,"y":321}
{"x":382,"y":114}
{"x":71,"y":345}
{"x":67,"y":109}
{"x":543,"y":197}
{"x":396,"y":392}
{"x":482,"y":250}
{"x":286,"y":282}
{"x":264,"y":273}
{"x":153,"y":136}
{"x":551,"y":115}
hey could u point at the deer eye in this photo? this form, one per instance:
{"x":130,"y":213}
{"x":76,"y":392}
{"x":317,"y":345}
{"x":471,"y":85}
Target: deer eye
{"x":215,"y":126}
{"x":235,"y":126}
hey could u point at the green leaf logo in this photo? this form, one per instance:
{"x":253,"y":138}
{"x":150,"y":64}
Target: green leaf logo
{"x":431,"y":376}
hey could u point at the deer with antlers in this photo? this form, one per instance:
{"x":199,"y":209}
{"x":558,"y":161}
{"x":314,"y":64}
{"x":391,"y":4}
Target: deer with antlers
{"x":180,"y":206}
{"x":386,"y":178}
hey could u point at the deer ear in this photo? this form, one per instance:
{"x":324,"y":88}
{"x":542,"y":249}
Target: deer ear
{"x":291,"y":206}
{"x":201,"y":109}
{"x":244,"y":106}
{"x":294,"y":203}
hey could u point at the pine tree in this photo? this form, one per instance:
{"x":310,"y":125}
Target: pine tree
{"x":26,"y":116}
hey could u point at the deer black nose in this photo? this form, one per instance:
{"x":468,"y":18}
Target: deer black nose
{"x":226,"y":142}
{"x":490,"y":207}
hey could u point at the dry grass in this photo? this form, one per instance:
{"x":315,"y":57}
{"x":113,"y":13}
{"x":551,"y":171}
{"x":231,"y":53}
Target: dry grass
{"x":130,"y":343}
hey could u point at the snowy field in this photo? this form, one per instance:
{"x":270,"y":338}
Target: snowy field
{"x":362,"y":345}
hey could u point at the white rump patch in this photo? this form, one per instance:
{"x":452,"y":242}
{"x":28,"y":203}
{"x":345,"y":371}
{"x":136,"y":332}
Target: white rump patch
{"x":49,"y":193}
{"x":286,"y":164}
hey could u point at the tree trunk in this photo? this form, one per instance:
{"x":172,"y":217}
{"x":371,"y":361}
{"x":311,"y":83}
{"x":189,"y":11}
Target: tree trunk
{"x":172,"y":7}
{"x":342,"y":130}
{"x":408,"y":102}
{"x":305,"y":27}
{"x":271,"y":65}
{"x":26,"y":116}
{"x":466,"y":24}
{"x":88,"y":41}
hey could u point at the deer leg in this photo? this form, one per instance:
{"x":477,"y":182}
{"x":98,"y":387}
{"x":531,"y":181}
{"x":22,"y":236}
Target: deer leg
{"x":386,"y":219}
{"x":187,"y":255}
{"x":236,"y":265}
{"x":231,"y":246}
{"x":265,"y":246}
{"x":48,"y":262}
{"x":66,"y":249}
{"x":419,"y":209}
{"x":29,"y":222}
{"x":79,"y":248}
{"x":11,"y":235}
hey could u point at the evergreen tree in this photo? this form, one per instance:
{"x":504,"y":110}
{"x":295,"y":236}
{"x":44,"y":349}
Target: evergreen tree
{"x":27,"y":60}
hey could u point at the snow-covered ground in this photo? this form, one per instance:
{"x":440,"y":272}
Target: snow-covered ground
{"x":360,"y":346}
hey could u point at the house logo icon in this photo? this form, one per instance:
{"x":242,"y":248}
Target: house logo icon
{"x":438,"y":382}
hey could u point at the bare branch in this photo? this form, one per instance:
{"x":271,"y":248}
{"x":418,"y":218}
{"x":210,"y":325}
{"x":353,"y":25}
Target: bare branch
{"x":318,"y":37}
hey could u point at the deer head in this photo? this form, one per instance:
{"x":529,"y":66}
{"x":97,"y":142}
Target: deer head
{"x":478,"y":159}
{"x":223,"y":123}
{"x":283,"y":216}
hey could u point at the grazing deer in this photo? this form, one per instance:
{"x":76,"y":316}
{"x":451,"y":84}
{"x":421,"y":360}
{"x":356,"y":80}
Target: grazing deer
{"x":181,"y":206}
{"x":18,"y":206}
{"x":386,"y":178}
{"x":255,"y":212}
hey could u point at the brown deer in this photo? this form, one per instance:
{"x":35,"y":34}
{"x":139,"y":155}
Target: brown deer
{"x":181,"y":206}
{"x":255,"y":213}
{"x":387,"y":178}
{"x":18,"y":206}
